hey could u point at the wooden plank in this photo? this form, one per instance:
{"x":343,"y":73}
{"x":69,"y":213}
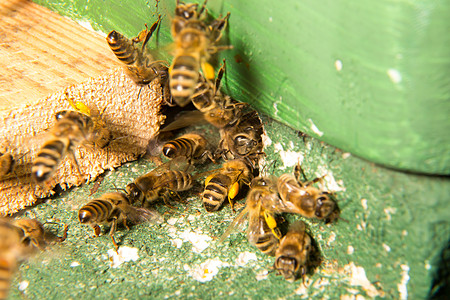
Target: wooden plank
{"x":42,"y":52}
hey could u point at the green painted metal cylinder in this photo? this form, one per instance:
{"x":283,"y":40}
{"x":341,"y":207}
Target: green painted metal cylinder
{"x":369,"y":77}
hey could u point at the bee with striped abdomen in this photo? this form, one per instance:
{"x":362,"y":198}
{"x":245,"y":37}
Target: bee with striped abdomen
{"x":194,"y":42}
{"x":262,"y":231}
{"x":112,"y":209}
{"x":190,"y":146}
{"x":162,"y":182}
{"x":141,"y":67}
{"x":71,"y":129}
{"x":291,"y":256}
{"x":225,"y":183}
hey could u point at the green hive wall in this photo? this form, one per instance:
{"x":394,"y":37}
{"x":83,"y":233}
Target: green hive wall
{"x":369,"y":77}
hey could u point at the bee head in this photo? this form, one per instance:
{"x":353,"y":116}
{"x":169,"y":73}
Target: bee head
{"x":134,"y":193}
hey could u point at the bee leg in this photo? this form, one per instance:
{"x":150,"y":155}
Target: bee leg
{"x":64,"y":237}
{"x":112,"y":231}
{"x":74,"y":159}
{"x":96,"y":230}
{"x":202,"y":9}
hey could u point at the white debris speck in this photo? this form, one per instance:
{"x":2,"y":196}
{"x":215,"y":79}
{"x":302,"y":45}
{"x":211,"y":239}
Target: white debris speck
{"x":266,"y":140}
{"x":402,"y":289}
{"x":358,"y":226}
{"x":350,"y":249}
{"x":329,"y":182}
{"x":386,"y":247}
{"x":199,"y":241}
{"x":302,"y":290}
{"x":23,"y":285}
{"x":364,"y":203}
{"x":172,"y":221}
{"x":338,"y":64}
{"x":289,"y":158}
{"x":270,"y":19}
{"x":394,"y":75}
{"x":404,"y":232}
{"x":207,"y":270}
{"x":75,"y":264}
{"x":177,"y":243}
{"x":346,"y":155}
{"x":262,"y":275}
{"x":378,"y":265}
{"x":332,"y":238}
{"x":358,"y":278}
{"x":86,"y":24}
{"x":388,"y":211}
{"x":124,"y":254}
{"x":191,"y":218}
{"x":427,"y":266}
{"x":244,"y":258}
{"x":134,"y":170}
{"x":314,"y":128}
{"x":178,"y":293}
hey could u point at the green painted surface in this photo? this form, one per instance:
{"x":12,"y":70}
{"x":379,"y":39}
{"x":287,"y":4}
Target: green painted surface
{"x":394,"y":226}
{"x":370,"y":77}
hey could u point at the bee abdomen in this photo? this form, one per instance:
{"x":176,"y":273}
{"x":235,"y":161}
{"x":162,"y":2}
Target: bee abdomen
{"x":178,"y":147}
{"x":96,"y":211}
{"x":182,"y":182}
{"x":216,"y":192}
{"x":48,"y":159}
{"x":267,"y":244}
{"x":122,"y":47}
{"x":183,"y":78}
{"x":6,"y":270}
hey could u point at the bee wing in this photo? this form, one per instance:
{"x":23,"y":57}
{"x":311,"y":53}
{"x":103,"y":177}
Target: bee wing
{"x":138,"y":215}
{"x":255,"y":227}
{"x":185,"y":119}
{"x":233,"y":225}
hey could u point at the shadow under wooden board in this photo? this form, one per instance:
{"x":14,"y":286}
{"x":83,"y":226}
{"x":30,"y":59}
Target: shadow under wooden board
{"x":386,"y":244}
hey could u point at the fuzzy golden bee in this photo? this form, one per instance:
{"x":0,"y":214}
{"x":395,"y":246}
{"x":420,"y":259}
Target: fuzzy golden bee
{"x":194,"y":42}
{"x":112,"y":209}
{"x":262,"y":231}
{"x":72,"y":128}
{"x":225,"y":183}
{"x":292,"y":255}
{"x":302,"y":198}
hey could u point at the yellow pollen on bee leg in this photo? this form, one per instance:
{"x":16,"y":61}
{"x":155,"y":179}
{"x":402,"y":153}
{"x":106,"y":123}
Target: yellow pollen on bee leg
{"x":208,"y":71}
{"x":234,"y":190}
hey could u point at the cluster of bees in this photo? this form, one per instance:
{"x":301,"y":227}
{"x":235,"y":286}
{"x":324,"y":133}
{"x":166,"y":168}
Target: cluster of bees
{"x":190,"y":78}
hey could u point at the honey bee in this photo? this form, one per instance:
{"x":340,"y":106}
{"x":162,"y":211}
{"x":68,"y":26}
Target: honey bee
{"x":141,"y":67}
{"x":225,"y":183}
{"x":242,"y":139}
{"x":6,"y":164}
{"x":262,"y":231}
{"x":111,"y":209}
{"x":218,"y":109}
{"x":19,"y":239}
{"x":72,"y":128}
{"x":158,"y":183}
{"x":194,"y":43}
{"x":302,"y":198}
{"x":191,"y":146}
{"x":291,"y":256}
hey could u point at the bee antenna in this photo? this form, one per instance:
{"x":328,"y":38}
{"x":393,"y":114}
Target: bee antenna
{"x":119,"y":189}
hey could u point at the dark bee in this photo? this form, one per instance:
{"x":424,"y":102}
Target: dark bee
{"x":112,"y":209}
{"x":242,"y":139}
{"x":191,"y":146}
{"x":159,"y":183}
{"x":141,"y":67}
